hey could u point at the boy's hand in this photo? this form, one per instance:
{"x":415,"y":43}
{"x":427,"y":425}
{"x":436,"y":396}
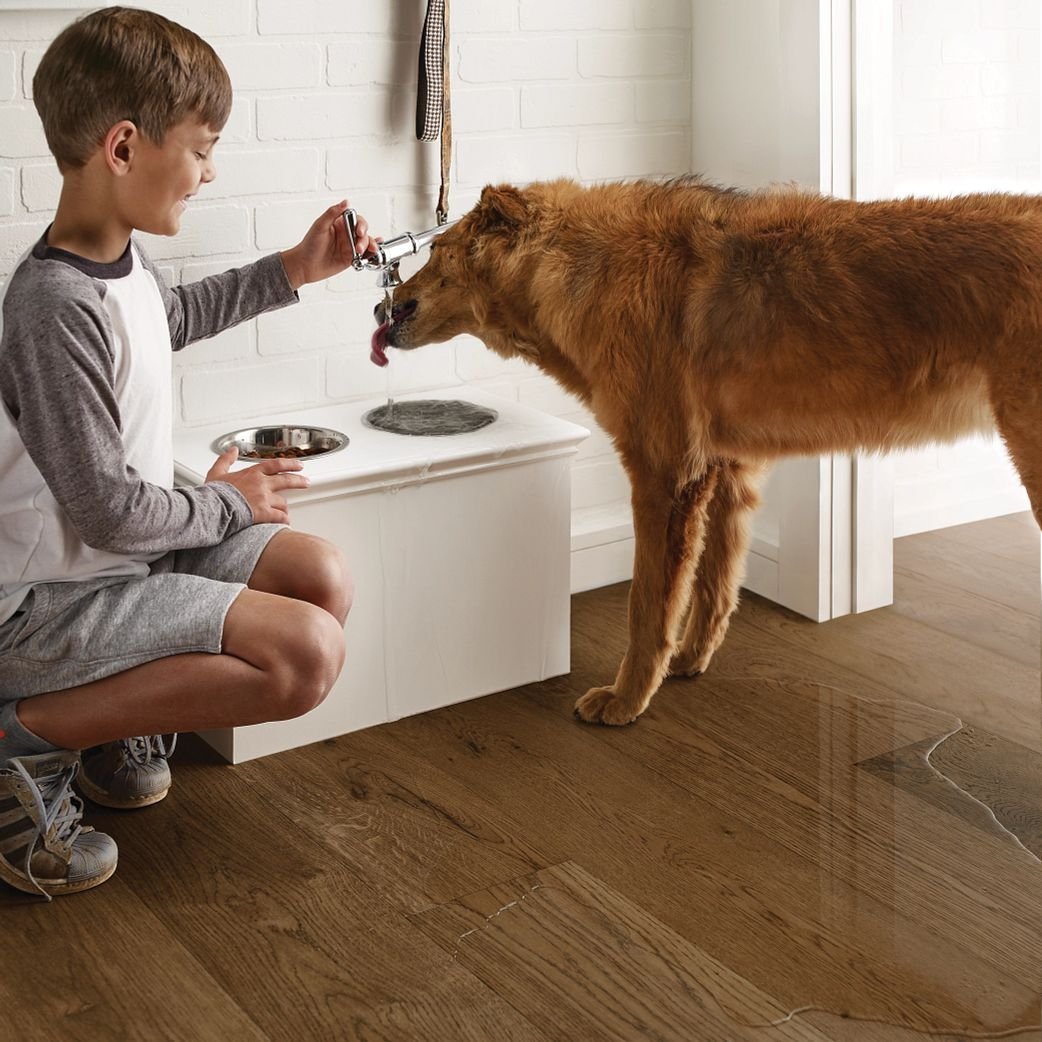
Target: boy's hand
{"x":261,"y":484}
{"x":325,"y":250}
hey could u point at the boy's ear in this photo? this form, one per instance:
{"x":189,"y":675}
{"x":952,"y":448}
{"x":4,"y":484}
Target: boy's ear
{"x":119,"y":146}
{"x":501,"y":206}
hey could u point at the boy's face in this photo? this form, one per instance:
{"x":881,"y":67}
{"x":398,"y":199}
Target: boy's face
{"x":165,"y":176}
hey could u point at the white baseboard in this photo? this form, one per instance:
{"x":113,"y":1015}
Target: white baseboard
{"x":761,"y":569}
{"x":944,"y":485}
{"x":602,"y":552}
{"x":945,"y":514}
{"x":597,"y":566}
{"x":602,"y":546}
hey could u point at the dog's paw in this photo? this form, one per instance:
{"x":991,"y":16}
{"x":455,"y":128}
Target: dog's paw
{"x":600,"y":705}
{"x":686,"y":665}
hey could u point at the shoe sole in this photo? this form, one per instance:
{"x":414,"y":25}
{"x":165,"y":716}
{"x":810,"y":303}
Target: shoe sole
{"x":103,"y":799}
{"x":55,"y":889}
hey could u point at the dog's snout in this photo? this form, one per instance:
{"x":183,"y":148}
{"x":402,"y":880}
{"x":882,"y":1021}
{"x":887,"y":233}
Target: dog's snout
{"x":398,"y":311}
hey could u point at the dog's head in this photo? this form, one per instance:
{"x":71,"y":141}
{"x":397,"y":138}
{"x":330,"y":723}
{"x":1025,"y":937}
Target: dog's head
{"x":473,"y":282}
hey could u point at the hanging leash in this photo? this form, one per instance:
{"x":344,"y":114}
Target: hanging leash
{"x":446,"y":122}
{"x":433,"y":99}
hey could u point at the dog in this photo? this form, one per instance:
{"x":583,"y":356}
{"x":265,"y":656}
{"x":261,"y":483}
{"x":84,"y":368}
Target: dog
{"x":712,"y":331}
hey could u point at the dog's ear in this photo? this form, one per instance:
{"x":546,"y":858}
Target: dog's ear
{"x":501,"y":206}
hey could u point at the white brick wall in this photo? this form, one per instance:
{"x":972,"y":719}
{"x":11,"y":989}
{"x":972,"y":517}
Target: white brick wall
{"x":21,"y":135}
{"x":7,"y":183}
{"x":966,"y":95}
{"x":518,"y":57}
{"x":324,"y":108}
{"x":631,"y":56}
{"x":272,"y":66}
{"x":8,"y":72}
{"x":576,"y":104}
{"x":315,"y":18}
{"x":966,"y":117}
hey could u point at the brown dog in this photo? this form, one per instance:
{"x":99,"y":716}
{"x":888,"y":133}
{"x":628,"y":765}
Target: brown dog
{"x":712,"y":331}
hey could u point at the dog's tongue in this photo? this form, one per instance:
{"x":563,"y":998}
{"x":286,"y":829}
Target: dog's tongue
{"x":378,"y":352}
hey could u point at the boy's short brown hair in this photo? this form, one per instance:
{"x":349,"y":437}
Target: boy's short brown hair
{"x":119,"y":63}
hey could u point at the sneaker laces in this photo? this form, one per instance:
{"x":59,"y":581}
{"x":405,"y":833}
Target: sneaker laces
{"x":57,"y":806}
{"x":142,"y":748}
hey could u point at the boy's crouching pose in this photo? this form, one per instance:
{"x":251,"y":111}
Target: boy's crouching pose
{"x":129,"y":607}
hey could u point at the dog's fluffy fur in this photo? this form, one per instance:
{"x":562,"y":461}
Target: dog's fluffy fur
{"x":711,"y":331}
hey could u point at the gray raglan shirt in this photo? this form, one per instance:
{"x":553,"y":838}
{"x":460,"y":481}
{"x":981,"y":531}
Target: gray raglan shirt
{"x":86,"y":458}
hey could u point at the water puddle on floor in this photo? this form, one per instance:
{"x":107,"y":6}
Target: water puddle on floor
{"x":927,"y":833}
{"x":794,"y":862}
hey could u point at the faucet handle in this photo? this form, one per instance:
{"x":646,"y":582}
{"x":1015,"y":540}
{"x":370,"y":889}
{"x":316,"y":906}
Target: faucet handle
{"x":351,"y":223}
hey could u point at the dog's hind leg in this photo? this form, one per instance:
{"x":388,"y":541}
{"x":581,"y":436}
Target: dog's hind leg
{"x":1018,"y":416}
{"x":669,"y":528}
{"x":721,"y":568}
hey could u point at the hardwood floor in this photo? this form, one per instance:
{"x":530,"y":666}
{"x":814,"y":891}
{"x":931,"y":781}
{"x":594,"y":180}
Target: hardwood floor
{"x":833,"y":835}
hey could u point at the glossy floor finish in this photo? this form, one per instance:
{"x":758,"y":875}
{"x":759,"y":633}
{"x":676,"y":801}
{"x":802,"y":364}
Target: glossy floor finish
{"x":833,"y":835}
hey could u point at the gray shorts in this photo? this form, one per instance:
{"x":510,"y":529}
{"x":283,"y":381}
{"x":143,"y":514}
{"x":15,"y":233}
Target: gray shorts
{"x":70,"y":633}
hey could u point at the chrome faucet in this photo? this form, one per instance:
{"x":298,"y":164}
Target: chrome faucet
{"x":388,"y":254}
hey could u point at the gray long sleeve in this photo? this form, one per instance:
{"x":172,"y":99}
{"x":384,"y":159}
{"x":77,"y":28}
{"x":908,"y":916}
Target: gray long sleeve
{"x":57,"y":383}
{"x":202,"y":309}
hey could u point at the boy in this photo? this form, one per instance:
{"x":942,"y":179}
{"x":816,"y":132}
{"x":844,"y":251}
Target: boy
{"x":128,"y":607}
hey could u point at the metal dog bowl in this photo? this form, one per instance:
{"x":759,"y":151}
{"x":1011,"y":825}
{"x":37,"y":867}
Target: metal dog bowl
{"x":286,"y":442}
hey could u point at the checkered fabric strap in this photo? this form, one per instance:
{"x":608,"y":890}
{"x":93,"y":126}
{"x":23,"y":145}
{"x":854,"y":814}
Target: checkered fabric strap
{"x":433,"y":109}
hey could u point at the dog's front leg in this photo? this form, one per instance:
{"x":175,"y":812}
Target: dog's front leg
{"x":721,"y":569}
{"x":669,"y":526}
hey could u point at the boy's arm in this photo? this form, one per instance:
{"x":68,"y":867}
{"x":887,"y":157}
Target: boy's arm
{"x":56,"y":381}
{"x":203,"y":309}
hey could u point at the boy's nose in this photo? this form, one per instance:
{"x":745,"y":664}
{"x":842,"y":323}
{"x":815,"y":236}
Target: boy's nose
{"x":209,"y":172}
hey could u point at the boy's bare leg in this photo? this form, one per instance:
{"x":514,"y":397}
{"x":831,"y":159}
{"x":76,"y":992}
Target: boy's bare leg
{"x":306,"y":568}
{"x":281,"y":653}
{"x":280,"y":658}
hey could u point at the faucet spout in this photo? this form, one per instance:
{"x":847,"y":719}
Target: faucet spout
{"x":406,"y":245}
{"x":387,"y":255}
{"x":389,"y":277}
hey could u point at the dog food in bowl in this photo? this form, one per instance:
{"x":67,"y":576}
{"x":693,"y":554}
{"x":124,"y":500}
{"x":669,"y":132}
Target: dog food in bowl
{"x":287,"y":442}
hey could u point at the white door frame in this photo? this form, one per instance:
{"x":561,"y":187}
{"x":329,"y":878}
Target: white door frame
{"x":854,"y":567}
{"x":757,"y":95}
{"x":799,"y":107}
{"x":870,"y":148}
{"x":855,"y":494}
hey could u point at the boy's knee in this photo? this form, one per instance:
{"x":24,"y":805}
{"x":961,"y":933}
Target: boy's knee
{"x":310,"y":661}
{"x":339,"y":581}
{"x":332,"y":585}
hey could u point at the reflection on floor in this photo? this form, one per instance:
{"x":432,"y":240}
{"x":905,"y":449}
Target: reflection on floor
{"x":832,"y":835}
{"x":985,"y":780}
